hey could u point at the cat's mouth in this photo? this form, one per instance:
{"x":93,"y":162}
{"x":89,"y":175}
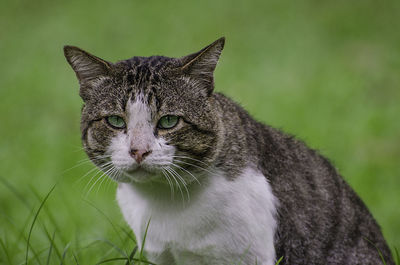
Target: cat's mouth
{"x":137,"y":171}
{"x":141,"y":174}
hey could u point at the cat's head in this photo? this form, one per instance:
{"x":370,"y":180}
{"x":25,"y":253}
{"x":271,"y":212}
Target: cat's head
{"x":146,"y":115}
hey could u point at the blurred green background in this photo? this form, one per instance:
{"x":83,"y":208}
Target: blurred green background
{"x":326,"y":71}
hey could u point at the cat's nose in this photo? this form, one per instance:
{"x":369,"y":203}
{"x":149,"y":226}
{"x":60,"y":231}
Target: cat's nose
{"x":139,"y":154}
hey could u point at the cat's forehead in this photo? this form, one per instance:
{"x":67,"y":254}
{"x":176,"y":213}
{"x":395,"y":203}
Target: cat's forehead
{"x":148,"y":79}
{"x":155,"y":63}
{"x":148,"y":69}
{"x":143,"y":74}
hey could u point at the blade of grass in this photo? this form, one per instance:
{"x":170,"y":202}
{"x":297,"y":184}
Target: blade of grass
{"x":78,"y":242}
{"x":128,"y":234}
{"x":20,"y":233}
{"x":120,"y":251}
{"x":53,"y":244}
{"x":397,"y":256}
{"x":50,"y":216}
{"x":144,"y":240}
{"x":279,"y":260}
{"x":75,"y":259}
{"x":109,"y":260}
{"x":36,"y":255}
{"x":3,"y":246}
{"x":16,"y":193}
{"x":144,"y":261}
{"x":51,"y":248}
{"x":89,"y":245}
{"x":128,"y":262}
{"x":380,"y":253}
{"x":34,"y":221}
{"x":113,"y":259}
{"x":64,"y":254}
{"x":109,"y":220}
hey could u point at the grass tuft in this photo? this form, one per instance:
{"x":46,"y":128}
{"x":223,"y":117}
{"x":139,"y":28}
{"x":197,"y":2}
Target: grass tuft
{"x":397,"y":256}
{"x":279,"y":260}
{"x":64,"y":254}
{"x":141,"y":256}
{"x":110,"y":260}
{"x":3,"y":246}
{"x":51,"y":248}
{"x":110,"y":222}
{"x":34,"y":221}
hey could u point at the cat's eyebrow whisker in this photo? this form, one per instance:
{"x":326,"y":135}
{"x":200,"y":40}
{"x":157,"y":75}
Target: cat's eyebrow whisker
{"x":187,"y":171}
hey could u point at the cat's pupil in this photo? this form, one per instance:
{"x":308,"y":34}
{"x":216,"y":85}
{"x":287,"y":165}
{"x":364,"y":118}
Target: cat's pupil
{"x":168,"y":122}
{"x":116,"y":121}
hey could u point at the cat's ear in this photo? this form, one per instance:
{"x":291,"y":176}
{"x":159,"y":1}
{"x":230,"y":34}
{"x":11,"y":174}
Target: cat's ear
{"x":86,"y":66}
{"x":201,"y":65}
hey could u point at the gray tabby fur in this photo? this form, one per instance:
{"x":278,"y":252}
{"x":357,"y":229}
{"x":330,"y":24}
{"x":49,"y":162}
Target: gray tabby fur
{"x":320,"y":219}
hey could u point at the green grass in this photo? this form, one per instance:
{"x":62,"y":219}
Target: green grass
{"x":327,"y":72}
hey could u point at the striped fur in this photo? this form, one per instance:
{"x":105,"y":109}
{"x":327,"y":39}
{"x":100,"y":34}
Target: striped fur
{"x":308,"y":213}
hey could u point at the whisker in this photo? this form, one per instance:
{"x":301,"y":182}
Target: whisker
{"x":171,"y":187}
{"x":103,"y":168}
{"x":182,"y":181}
{"x":94,"y":159}
{"x":187,"y":171}
{"x":100,"y":167}
{"x":105,"y":173}
{"x":75,"y":166}
{"x":100,"y":170}
{"x":98,"y":157}
{"x":113,"y":178}
{"x":91,"y":179}
{"x":191,"y":158}
{"x":106,"y":177}
{"x":193,"y":165}
{"x":168,"y":169}
{"x":85,"y":161}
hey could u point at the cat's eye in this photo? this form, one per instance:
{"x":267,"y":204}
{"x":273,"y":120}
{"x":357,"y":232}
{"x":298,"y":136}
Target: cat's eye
{"x":116,"y":121}
{"x":168,"y":122}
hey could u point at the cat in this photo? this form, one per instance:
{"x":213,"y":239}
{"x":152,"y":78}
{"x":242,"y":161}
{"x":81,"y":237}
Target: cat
{"x":213,"y":185}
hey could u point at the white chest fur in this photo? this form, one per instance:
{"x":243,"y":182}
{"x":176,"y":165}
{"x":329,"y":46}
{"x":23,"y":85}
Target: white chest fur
{"x":226,"y":222}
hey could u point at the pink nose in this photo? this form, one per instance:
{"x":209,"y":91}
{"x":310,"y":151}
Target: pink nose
{"x":139,"y":154}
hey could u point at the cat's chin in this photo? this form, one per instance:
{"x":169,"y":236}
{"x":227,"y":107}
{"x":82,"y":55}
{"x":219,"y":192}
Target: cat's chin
{"x":140,"y":175}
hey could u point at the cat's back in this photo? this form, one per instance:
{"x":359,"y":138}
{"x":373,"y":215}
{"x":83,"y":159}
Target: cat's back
{"x":321,"y":220}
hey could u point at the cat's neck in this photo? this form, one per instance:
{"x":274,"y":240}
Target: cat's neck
{"x":238,"y":147}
